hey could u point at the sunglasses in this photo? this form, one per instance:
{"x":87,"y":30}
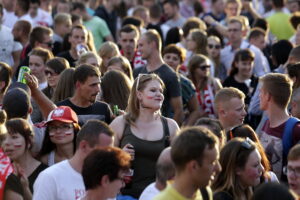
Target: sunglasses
{"x":247,"y":143}
{"x":138,"y":80}
{"x":204,"y":67}
{"x":47,"y":73}
{"x":211,"y":46}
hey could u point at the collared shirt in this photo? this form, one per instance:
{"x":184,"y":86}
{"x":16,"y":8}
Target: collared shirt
{"x":261,"y":65}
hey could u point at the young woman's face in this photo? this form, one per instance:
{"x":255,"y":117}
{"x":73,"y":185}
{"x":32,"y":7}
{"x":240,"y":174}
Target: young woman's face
{"x":245,"y":68}
{"x":213,"y":47}
{"x":37,"y":67}
{"x":14,"y":145}
{"x":250,"y":175}
{"x":61,"y":132}
{"x":152,"y":96}
{"x":93,"y":61}
{"x":52,"y":77}
{"x":203,"y":69}
{"x":172,"y":60}
{"x":190,"y":43}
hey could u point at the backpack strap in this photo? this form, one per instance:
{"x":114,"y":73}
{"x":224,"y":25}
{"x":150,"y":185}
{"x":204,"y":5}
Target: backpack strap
{"x":166,"y":131}
{"x":287,"y":134}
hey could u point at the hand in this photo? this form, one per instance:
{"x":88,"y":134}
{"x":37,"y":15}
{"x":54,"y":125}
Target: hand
{"x":129,"y":149}
{"x":19,"y":171}
{"x":31,"y":81}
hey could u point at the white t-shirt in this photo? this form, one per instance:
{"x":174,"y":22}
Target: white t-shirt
{"x":42,"y":18}
{"x":8,"y":45}
{"x":59,"y":182}
{"x":149,"y":192}
{"x":9,"y":19}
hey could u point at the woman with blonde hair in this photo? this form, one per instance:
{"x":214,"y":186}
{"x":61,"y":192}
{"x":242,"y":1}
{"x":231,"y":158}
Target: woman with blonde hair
{"x":120,"y":63}
{"x":106,"y":52}
{"x":240,"y":173}
{"x":206,"y":85}
{"x":144,"y":131}
{"x":89,"y":58}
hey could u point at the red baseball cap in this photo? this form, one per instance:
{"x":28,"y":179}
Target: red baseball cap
{"x":62,"y":114}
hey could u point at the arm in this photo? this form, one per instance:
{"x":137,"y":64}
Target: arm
{"x":195,"y":111}
{"x":109,"y":38}
{"x":173,"y":128}
{"x":247,"y":5}
{"x":44,"y":103}
{"x":117,"y":125}
{"x":221,"y":28}
{"x":16,"y":57}
{"x":176,"y":103}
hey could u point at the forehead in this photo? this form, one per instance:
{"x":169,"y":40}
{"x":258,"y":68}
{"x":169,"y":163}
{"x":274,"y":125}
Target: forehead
{"x":294,"y":163}
{"x":92,"y":79}
{"x":235,"y":25}
{"x":78,"y":31}
{"x":104,"y":140}
{"x":211,"y":154}
{"x":232,"y":5}
{"x":172,"y":55}
{"x":130,"y":35}
{"x":213,"y":41}
{"x":254,"y":156}
{"x":234,"y":103}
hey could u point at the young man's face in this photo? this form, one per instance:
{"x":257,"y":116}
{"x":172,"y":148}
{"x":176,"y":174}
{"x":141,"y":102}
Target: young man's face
{"x":263,"y":99}
{"x":293,"y":175}
{"x":232,"y":9}
{"x":145,"y":47}
{"x":259,"y":42}
{"x":234,"y":112}
{"x":209,"y":167}
{"x":128,"y":41}
{"x":170,"y":10}
{"x":89,"y":89}
{"x":235,"y":32}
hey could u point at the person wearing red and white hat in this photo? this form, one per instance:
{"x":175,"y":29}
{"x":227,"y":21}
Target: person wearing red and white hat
{"x":60,"y":136}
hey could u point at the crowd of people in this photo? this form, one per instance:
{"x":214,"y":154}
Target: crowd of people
{"x":149,"y":99}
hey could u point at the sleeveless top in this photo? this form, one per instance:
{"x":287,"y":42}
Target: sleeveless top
{"x":146,"y":155}
{"x":51,"y":158}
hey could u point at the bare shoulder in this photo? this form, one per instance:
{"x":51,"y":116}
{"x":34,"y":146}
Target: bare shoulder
{"x":117,"y":125}
{"x":173,"y":127}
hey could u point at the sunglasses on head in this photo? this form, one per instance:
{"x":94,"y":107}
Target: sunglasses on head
{"x":204,"y":67}
{"x":211,"y":46}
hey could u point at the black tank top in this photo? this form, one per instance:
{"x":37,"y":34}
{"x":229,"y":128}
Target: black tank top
{"x":146,"y":155}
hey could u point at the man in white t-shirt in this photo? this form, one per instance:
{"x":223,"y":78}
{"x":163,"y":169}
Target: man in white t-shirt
{"x":10,"y":50}
{"x":165,"y":171}
{"x":38,"y":16}
{"x":63,"y":180}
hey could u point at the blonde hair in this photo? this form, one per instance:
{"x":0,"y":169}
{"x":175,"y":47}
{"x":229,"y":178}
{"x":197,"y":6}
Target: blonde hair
{"x":153,"y":36}
{"x":107,"y":49}
{"x":226,"y":94}
{"x":62,"y":18}
{"x":84,"y":57}
{"x":200,"y":37}
{"x":133,"y":108}
{"x":125,"y":64}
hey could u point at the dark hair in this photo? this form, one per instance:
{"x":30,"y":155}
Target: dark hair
{"x":48,"y":145}
{"x":277,"y":52}
{"x":1,"y":9}
{"x":261,"y":23}
{"x":133,"y":21}
{"x":173,"y":36}
{"x":155,"y":11}
{"x":274,"y":191}
{"x":256,"y":32}
{"x":58,"y":64}
{"x":16,"y":103}
{"x":108,"y":161}
{"x":241,"y":55}
{"x":212,"y":124}
{"x":190,"y":144}
{"x":21,"y":126}
{"x":91,"y":130}
{"x":172,"y":48}
{"x":278,"y":3}
{"x":192,"y":23}
{"x":25,"y":26}
{"x":37,"y":34}
{"x":295,"y":19}
{"x":128,"y":28}
{"x":5,"y":75}
{"x":84,"y":71}
{"x":78,"y":5}
{"x":35,"y":1}
{"x":294,"y":72}
{"x":172,"y":2}
{"x":24,"y":5}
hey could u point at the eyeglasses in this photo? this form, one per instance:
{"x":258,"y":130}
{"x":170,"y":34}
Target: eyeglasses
{"x":48,"y":72}
{"x":288,"y":170}
{"x":64,"y":127}
{"x":211,"y":46}
{"x":49,"y":44}
{"x":204,"y":67}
